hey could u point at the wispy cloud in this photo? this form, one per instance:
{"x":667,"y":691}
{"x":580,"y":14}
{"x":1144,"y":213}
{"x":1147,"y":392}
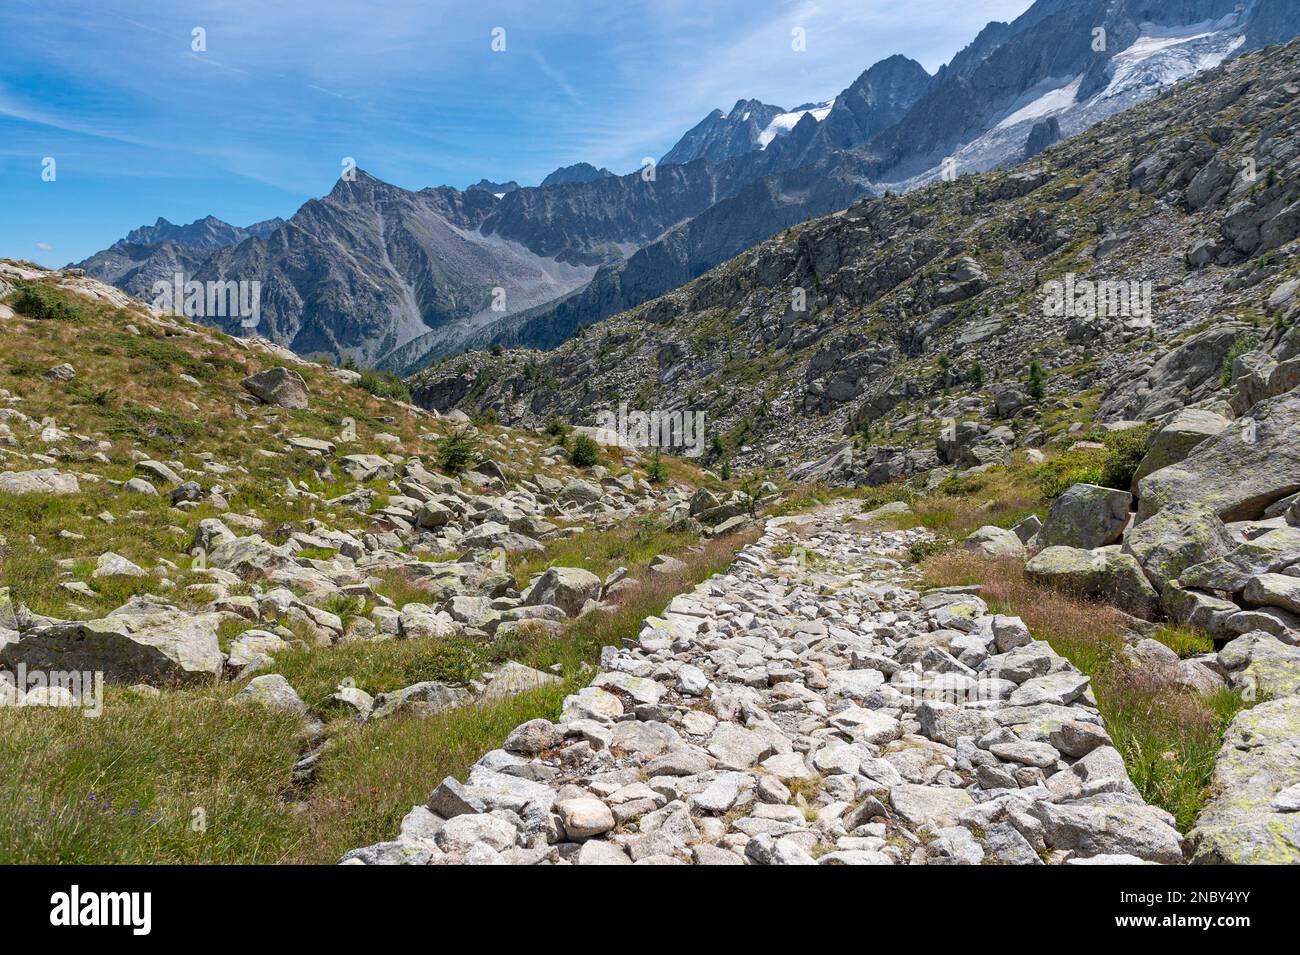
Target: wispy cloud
{"x":555,"y":76}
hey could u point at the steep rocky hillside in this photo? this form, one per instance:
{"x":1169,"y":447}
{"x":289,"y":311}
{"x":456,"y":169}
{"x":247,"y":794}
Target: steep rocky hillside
{"x":931,"y":306}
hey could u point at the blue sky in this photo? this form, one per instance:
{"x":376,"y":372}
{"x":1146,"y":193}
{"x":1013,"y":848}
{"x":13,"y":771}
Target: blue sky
{"x":140,"y":125}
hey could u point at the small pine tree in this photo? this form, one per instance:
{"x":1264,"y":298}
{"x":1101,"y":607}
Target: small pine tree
{"x":1037,"y":381}
{"x":715,"y":445}
{"x":725,"y":471}
{"x":656,"y":473}
{"x":751,"y":492}
{"x":457,"y":451}
{"x":977,"y":375}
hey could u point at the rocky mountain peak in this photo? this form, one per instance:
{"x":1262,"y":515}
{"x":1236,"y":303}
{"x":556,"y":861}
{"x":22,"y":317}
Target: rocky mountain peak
{"x":578,"y":172}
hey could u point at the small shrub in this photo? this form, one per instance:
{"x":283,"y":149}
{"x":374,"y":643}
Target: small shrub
{"x":1037,"y":381}
{"x":923,"y":550}
{"x":42,"y":302}
{"x":962,"y":485}
{"x":1124,"y":452}
{"x":751,"y":492}
{"x":25,"y":368}
{"x":585,"y":452}
{"x":384,"y":384}
{"x":1240,"y":346}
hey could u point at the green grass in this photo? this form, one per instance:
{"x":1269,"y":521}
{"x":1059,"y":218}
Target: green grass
{"x":317,"y":553}
{"x":1184,"y":641}
{"x":375,"y":774}
{"x":191,"y":749}
{"x":127,"y":787}
{"x":378,"y":667}
{"x":1169,"y":740}
{"x":401,"y":589}
{"x":384,"y":384}
{"x":152,"y":762}
{"x":1245,"y":342}
{"x":601,"y":552}
{"x":31,"y":571}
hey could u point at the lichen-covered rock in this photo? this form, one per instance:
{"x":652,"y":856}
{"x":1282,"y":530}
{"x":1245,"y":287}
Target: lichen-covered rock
{"x":1195,"y":608}
{"x":568,"y":588}
{"x":1086,"y":516}
{"x":1104,"y":573}
{"x":1274,"y":590}
{"x":995,"y":542}
{"x":420,"y":699}
{"x":140,"y":642}
{"x":1261,"y":665}
{"x":43,"y":481}
{"x":275,"y":692}
{"x":1244,"y":822}
{"x":1232,"y":571}
{"x":1175,"y":439}
{"x":1180,"y":535}
{"x":1238,"y":472}
{"x":278,"y":386}
{"x":1105,"y":828}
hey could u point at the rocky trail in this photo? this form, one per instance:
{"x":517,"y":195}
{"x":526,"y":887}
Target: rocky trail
{"x":809,"y":706}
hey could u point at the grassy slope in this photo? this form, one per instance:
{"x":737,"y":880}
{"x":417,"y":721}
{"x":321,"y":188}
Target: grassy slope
{"x":124,"y":787}
{"x":129,"y":393}
{"x":190,"y":776}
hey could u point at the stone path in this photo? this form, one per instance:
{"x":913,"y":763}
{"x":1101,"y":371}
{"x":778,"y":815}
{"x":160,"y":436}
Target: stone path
{"x":806,"y":707}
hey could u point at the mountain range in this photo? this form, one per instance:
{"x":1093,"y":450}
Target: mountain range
{"x":878,"y":343}
{"x":391,"y":277}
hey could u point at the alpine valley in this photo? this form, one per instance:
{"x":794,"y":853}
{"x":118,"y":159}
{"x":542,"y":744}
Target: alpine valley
{"x":975,"y":538}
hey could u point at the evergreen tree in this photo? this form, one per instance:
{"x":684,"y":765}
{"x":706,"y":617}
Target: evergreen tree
{"x":1037,"y":381}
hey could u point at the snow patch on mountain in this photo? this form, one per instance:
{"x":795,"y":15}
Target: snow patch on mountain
{"x":785,"y":122}
{"x":1054,"y":101}
{"x":1159,"y":58}
{"x":1162,"y":57}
